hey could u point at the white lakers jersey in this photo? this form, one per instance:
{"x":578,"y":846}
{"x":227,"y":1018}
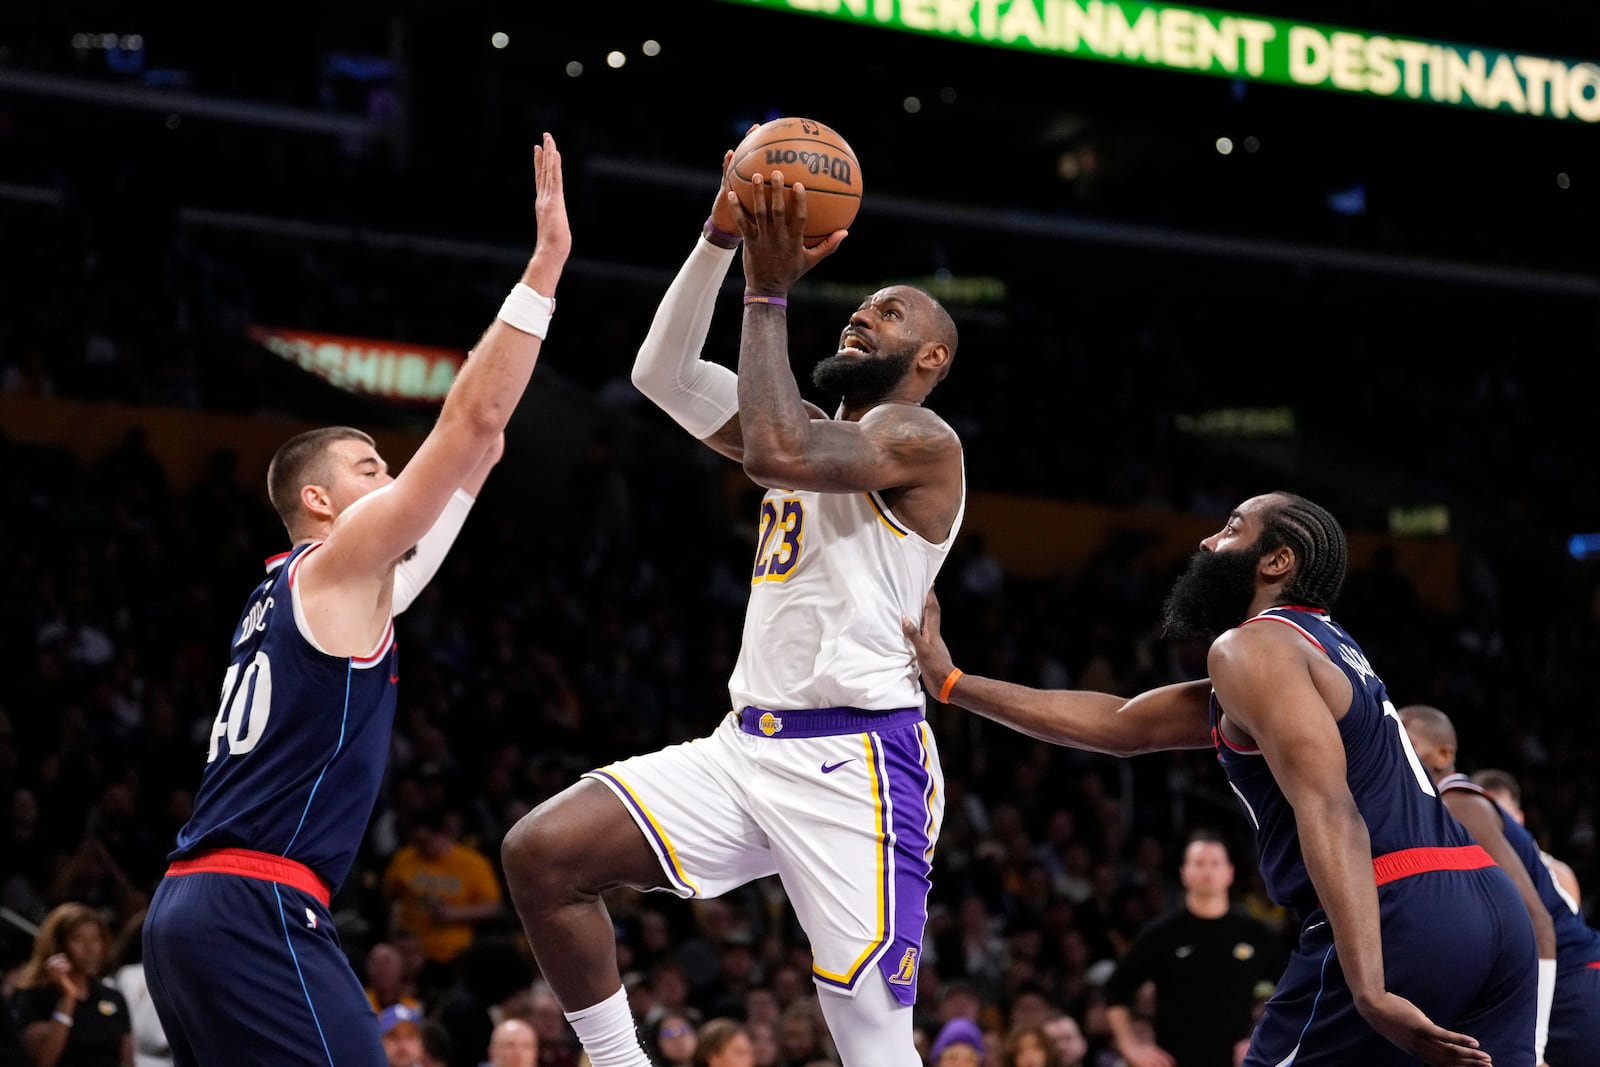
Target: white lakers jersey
{"x":833,"y":573}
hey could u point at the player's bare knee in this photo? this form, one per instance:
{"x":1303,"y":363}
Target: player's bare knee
{"x":539,"y":856}
{"x":569,"y":847}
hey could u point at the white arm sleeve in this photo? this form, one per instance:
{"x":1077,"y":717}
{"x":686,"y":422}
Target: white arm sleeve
{"x":1547,"y":996}
{"x":699,"y":395}
{"x":413,"y":574}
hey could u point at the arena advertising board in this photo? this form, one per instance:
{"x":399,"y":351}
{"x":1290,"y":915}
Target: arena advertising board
{"x":390,"y":369}
{"x":1242,"y":46}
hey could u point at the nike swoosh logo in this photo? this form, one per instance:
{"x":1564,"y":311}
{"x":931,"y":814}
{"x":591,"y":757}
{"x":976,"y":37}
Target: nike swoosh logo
{"x":829,"y":768}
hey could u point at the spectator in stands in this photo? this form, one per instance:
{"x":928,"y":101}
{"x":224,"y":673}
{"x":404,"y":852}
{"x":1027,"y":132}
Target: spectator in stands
{"x":387,"y":983}
{"x":440,"y":890}
{"x":69,"y":1015}
{"x":724,"y":1042}
{"x":401,"y":1030}
{"x":513,"y":1044}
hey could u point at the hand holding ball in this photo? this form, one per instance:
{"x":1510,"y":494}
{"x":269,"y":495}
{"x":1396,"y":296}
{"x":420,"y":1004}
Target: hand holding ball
{"x":810,"y":153}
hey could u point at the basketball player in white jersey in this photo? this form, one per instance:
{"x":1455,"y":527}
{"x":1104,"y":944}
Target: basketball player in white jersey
{"x":823,"y":772}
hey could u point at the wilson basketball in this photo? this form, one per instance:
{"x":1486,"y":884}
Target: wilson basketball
{"x":808,"y":152}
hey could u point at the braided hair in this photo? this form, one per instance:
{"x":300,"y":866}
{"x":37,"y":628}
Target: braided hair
{"x":1320,"y":550}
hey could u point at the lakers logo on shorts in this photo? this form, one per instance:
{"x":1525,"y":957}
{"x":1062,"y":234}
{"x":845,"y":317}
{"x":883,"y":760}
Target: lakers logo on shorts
{"x":907,"y":972}
{"x":770,"y":723}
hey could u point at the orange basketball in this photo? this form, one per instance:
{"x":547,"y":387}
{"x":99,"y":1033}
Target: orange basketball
{"x":808,"y":152}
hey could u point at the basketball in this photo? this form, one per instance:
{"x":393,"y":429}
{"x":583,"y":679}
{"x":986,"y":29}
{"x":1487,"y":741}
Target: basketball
{"x":808,"y":152}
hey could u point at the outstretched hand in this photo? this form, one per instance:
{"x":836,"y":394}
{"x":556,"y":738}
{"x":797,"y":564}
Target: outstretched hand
{"x":550,"y":201}
{"x":775,"y":253}
{"x":933,"y":658}
{"x":1405,"y":1025}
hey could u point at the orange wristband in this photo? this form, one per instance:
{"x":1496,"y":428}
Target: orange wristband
{"x":949,"y":684}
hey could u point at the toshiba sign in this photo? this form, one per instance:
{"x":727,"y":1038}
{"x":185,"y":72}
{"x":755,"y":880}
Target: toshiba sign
{"x":389,"y":369}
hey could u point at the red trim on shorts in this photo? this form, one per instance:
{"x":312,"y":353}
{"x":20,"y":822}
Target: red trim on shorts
{"x":260,"y":865}
{"x":1595,"y":966}
{"x":1392,"y":866}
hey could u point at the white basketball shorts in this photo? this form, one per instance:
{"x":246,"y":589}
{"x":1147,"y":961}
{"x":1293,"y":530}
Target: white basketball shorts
{"x":843,"y":805}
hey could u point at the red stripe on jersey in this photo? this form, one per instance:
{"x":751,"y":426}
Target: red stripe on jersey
{"x":294,"y":568}
{"x":383,"y":648}
{"x":1287,"y":622}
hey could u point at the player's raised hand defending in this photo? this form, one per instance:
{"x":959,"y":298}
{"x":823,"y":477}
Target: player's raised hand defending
{"x":550,"y":214}
{"x":775,"y":254}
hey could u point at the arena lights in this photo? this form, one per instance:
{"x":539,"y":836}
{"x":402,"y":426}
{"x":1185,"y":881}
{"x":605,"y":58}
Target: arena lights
{"x":1584,"y":546}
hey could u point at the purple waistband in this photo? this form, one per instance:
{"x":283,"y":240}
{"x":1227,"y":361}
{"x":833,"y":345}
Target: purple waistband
{"x":824,"y":722}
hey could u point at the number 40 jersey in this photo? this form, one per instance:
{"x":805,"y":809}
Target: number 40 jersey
{"x":299,"y":745}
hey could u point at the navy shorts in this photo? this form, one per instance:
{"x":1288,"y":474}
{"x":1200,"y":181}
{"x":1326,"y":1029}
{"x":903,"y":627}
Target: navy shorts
{"x":1456,"y":943}
{"x":1575,"y":1017}
{"x":248,"y":972}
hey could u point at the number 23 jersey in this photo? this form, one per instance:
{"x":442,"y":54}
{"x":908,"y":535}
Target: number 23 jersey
{"x":832,"y":575}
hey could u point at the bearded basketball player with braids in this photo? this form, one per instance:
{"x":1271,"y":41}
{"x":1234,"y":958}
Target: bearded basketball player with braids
{"x":1414,"y":946}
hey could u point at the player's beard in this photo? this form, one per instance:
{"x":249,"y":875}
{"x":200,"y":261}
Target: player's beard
{"x":1212,"y":595}
{"x":863,"y":379}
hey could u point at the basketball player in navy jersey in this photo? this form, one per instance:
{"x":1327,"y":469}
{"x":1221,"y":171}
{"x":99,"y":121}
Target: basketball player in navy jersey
{"x":1504,"y":788}
{"x":1413,"y":944}
{"x":1568,"y":1029}
{"x":242,"y":959}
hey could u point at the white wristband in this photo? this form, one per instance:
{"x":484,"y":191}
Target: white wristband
{"x":528,"y":310}
{"x":1547,"y":995}
{"x":61,"y":1017}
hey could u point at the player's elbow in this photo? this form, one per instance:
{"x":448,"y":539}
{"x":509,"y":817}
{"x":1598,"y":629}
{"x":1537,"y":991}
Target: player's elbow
{"x":477,"y":426}
{"x":642,"y":378}
{"x":771,"y":467}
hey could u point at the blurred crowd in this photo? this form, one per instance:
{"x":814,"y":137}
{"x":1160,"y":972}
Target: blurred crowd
{"x":540,"y":651}
{"x":558,"y":638}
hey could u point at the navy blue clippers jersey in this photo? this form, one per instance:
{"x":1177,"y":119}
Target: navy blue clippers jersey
{"x":299,"y":746}
{"x":1392,"y":789}
{"x":1577,"y":944}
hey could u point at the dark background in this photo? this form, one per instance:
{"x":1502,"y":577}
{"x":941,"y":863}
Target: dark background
{"x":1410,"y":281}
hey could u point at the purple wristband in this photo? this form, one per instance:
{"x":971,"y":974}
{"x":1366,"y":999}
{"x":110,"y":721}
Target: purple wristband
{"x":720,"y":237}
{"x":777,"y":301}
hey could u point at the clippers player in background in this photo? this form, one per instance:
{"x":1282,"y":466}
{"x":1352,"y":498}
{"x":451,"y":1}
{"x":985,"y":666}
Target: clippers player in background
{"x":243,"y":962}
{"x":1507,"y":792}
{"x":824,"y":772}
{"x":1413,"y":944}
{"x":1568,"y":1033}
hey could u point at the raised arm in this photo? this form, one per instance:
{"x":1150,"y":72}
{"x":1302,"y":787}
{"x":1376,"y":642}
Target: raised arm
{"x":1173,"y":716}
{"x":701,"y":396}
{"x":416,"y":570}
{"x":893,"y":446}
{"x":1263,"y":679}
{"x":369,"y":540}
